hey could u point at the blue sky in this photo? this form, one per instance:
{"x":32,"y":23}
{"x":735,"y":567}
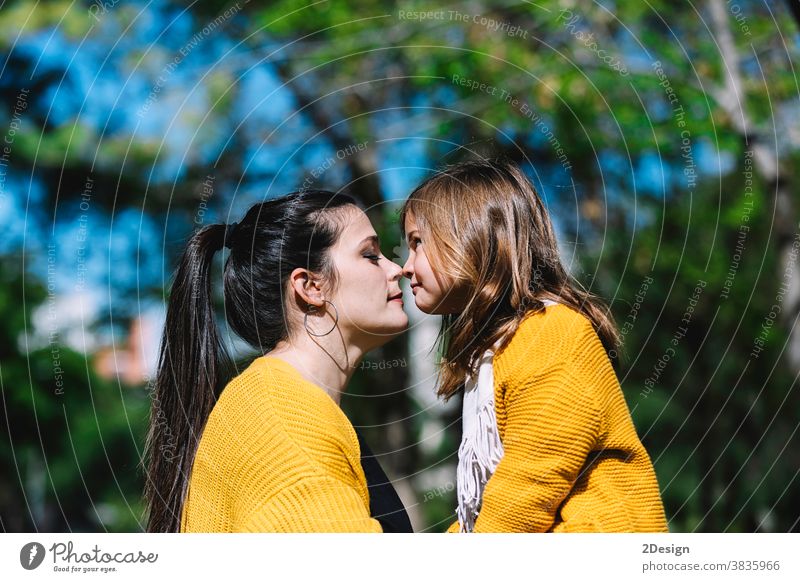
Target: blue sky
{"x":104,"y":91}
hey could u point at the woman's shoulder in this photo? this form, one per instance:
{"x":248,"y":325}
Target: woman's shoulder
{"x":270,"y":401}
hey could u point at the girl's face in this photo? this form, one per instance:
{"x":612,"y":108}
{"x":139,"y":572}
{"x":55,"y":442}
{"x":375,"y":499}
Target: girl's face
{"x":433,"y":292}
{"x":368,"y":296}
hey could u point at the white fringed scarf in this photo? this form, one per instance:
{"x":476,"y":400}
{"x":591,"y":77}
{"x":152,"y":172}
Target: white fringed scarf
{"x":481,"y":448}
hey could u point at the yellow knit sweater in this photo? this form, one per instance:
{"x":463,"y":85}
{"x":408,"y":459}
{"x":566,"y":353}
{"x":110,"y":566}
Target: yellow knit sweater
{"x":573,"y":461}
{"x":277,"y":455}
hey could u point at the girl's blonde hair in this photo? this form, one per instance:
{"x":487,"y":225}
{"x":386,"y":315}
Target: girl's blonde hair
{"x":485,"y":227}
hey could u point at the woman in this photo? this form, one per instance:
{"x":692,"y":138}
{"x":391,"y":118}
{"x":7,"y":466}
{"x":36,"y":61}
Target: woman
{"x":548,"y":443}
{"x":306,"y":285}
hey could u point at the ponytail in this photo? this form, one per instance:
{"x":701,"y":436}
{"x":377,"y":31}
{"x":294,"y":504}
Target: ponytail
{"x":191,"y":363}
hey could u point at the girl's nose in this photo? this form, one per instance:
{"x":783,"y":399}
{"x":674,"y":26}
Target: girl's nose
{"x":408,"y":268}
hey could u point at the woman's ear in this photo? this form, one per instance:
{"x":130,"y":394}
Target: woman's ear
{"x":307,"y":287}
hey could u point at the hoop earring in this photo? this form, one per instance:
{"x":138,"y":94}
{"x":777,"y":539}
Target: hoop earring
{"x":313,"y":309}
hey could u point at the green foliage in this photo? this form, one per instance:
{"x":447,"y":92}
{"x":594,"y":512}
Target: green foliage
{"x":74,"y":440}
{"x":716,"y":416}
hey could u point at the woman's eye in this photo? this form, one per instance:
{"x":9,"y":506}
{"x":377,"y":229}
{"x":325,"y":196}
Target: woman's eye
{"x":372,"y":257}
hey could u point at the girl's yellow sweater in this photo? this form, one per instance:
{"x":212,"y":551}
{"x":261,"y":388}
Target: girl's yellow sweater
{"x":573,"y":461}
{"x":277,"y":455}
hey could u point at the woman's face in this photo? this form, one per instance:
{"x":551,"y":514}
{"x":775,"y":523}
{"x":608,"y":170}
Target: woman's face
{"x":367,"y":296}
{"x":433,"y":293}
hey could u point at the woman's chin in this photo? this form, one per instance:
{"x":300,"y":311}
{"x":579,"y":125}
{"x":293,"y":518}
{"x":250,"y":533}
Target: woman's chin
{"x":391,"y":326}
{"x":400,"y":324}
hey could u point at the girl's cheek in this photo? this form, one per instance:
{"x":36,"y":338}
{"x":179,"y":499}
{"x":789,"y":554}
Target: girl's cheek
{"x":429,"y":267}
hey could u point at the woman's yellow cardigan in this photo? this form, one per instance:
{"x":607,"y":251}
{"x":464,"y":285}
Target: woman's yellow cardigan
{"x":277,"y":455}
{"x":573,"y":461}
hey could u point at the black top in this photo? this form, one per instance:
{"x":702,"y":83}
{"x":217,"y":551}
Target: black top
{"x":384,"y":503}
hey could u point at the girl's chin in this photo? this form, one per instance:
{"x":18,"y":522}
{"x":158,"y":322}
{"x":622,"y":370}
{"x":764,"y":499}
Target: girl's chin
{"x":429,"y":307}
{"x":447,"y":305}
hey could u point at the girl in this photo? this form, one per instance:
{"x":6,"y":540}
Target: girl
{"x":548,"y":443}
{"x":306,"y":285}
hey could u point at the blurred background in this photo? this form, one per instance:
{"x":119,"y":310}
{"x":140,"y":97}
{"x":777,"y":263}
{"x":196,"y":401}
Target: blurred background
{"x":664,"y":137}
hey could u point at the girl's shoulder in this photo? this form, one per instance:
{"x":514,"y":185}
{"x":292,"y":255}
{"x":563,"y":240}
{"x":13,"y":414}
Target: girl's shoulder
{"x":547,"y":338}
{"x":556,"y":325}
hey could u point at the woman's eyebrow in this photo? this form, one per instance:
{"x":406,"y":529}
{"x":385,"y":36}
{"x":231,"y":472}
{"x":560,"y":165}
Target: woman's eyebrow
{"x":374,"y":238}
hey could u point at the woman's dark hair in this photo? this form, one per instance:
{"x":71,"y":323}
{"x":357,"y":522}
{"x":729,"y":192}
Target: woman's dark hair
{"x":273,"y":239}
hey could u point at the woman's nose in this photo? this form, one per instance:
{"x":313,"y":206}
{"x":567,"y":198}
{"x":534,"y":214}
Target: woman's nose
{"x":395,"y":271}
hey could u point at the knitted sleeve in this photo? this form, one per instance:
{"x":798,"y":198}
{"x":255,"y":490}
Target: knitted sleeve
{"x":313,"y":505}
{"x":553,"y":422}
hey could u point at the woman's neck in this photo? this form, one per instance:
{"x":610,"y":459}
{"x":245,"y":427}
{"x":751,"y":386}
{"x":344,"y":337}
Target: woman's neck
{"x":326,"y":362}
